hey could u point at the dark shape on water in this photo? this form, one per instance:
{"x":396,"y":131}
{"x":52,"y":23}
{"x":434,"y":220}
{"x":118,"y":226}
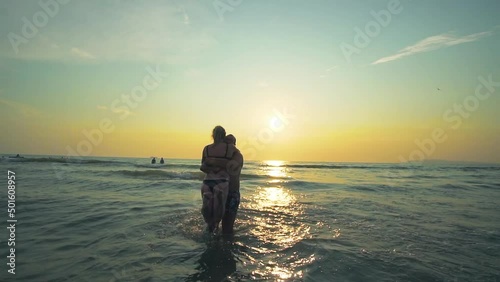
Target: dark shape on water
{"x":216,"y":263}
{"x":16,"y":157}
{"x":153,"y":161}
{"x":162,"y":161}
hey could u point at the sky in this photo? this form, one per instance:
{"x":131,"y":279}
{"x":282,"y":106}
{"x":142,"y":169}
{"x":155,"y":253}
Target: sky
{"x":335,"y":81}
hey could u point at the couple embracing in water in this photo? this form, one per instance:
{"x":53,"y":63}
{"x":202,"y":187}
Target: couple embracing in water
{"x":221,"y":161}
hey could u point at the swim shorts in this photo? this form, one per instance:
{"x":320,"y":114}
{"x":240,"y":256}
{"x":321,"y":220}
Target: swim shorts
{"x":233,"y":202}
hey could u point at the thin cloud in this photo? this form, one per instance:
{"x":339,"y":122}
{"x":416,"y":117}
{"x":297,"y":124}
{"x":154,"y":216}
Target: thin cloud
{"x":123,"y":111}
{"x":192,"y":73}
{"x":24,"y":109}
{"x":433,"y":43}
{"x":186,"y":17}
{"x":263,"y":84}
{"x":81,"y":53}
{"x":327,"y":71}
{"x":331,"y":68}
{"x":119,"y":33}
{"x":116,"y":111}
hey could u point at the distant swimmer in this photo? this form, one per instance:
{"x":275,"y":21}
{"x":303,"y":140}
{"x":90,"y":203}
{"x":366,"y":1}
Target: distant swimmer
{"x":153,"y":161}
{"x":16,"y":157}
{"x":162,"y":161}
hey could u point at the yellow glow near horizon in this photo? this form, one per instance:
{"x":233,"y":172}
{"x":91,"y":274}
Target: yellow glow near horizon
{"x":361,"y":144}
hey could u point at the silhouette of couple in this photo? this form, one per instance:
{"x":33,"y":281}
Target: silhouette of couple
{"x":221,"y":161}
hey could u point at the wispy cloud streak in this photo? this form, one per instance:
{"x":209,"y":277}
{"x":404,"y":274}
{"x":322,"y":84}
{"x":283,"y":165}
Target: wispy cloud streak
{"x":116,"y":111}
{"x":433,"y":43}
{"x":118,"y":31}
{"x":24,"y":109}
{"x":81,"y":53}
{"x":186,"y":17}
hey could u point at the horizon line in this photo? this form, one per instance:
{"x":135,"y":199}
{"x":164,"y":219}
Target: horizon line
{"x":261,"y":160}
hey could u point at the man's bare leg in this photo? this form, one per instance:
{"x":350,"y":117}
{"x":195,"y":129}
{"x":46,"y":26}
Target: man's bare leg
{"x":228,"y":223}
{"x":232,"y":205}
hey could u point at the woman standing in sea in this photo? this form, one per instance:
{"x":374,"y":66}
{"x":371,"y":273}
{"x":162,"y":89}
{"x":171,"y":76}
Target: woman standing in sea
{"x":215,"y":187}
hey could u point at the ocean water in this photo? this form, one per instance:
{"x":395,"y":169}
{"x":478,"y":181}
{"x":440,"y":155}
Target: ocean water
{"x":123,"y":219}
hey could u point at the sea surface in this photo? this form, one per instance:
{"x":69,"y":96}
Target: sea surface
{"x":124,"y":219}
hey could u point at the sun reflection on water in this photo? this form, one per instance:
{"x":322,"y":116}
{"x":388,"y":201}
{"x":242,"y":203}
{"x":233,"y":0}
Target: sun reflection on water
{"x":276,"y":223}
{"x":277,"y":220}
{"x":275,"y":169}
{"x":274,"y":163}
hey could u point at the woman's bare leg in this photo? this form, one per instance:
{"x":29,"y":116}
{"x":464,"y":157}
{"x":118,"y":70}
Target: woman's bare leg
{"x":220,"y":197}
{"x":207,"y":206}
